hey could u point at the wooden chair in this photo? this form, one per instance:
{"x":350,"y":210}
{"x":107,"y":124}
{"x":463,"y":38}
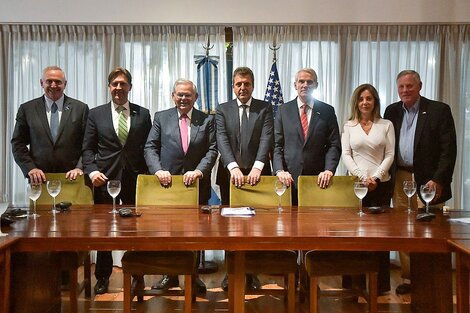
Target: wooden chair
{"x":149,"y":191}
{"x":339,"y":194}
{"x":266,"y":262}
{"x":78,"y":193}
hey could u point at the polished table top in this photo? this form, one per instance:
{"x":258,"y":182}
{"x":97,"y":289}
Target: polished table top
{"x":164,"y":228}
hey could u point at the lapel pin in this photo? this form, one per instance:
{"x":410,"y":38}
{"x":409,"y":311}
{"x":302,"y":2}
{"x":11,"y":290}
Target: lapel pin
{"x":67,"y":108}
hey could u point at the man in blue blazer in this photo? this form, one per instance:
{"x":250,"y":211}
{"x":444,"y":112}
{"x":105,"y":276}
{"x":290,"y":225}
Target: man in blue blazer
{"x":254,"y":160}
{"x":35,"y":148}
{"x":425,"y":148}
{"x":182,"y":142}
{"x":306,"y":134}
{"x":113,"y":149}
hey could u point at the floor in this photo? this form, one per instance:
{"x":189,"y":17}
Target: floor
{"x":215,"y":300}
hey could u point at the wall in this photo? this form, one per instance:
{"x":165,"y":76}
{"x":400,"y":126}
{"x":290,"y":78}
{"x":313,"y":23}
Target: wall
{"x":234,"y":12}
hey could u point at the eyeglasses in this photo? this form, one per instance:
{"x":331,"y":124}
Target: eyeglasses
{"x":183,"y":95}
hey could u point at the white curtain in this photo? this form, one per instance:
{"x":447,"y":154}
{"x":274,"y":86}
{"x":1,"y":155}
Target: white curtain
{"x":345,"y":56}
{"x":155,"y":55}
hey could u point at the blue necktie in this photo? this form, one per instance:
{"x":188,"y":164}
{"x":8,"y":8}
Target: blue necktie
{"x":54,"y":121}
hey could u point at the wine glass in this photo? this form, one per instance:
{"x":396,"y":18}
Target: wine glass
{"x":360,"y":189}
{"x":114,"y":188}
{"x":34,"y":192}
{"x":53,"y":188}
{"x":427,"y":193}
{"x":3,"y":208}
{"x":279,"y":189}
{"x":409,"y":188}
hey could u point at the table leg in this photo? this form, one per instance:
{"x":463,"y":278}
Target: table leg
{"x":5,"y":285}
{"x":431,"y":282}
{"x":462,"y":280}
{"x":236,"y":283}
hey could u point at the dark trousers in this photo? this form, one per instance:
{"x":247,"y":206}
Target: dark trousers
{"x":104,"y":259}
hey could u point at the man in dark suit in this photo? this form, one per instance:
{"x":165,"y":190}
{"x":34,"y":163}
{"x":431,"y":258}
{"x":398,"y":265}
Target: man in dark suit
{"x":50,"y":150}
{"x":253,"y":161}
{"x":182,"y":142}
{"x":244,"y":144}
{"x":306,"y":134}
{"x":113,"y":149}
{"x":425,"y":149}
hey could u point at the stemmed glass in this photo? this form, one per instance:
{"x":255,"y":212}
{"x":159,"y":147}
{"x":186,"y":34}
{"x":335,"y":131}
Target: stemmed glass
{"x":427,"y":193}
{"x":360,"y":189}
{"x":53,"y":188}
{"x":279,"y":189}
{"x":3,"y":208}
{"x":114,"y":188}
{"x":409,"y":188}
{"x":34,"y":192}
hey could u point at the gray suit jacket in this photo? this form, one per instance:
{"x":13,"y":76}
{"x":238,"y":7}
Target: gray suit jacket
{"x":32,"y":128}
{"x":260,"y":128}
{"x":319,"y":152}
{"x":163,"y":150}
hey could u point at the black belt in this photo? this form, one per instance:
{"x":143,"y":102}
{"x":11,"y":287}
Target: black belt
{"x":406,"y":168}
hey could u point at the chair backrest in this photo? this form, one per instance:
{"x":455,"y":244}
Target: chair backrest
{"x":262,"y":194}
{"x":340,"y":192}
{"x":75,"y":191}
{"x":149,"y":191}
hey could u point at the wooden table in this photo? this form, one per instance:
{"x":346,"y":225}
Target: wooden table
{"x":5,"y":257}
{"x":92,"y":228}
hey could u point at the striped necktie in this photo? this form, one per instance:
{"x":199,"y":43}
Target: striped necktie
{"x":304,"y":120}
{"x":122,"y":125}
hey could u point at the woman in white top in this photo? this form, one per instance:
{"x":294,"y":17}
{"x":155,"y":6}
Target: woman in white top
{"x":368,"y":144}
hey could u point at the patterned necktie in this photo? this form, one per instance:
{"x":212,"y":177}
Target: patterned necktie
{"x":244,"y":138}
{"x":184,"y":132}
{"x":54,"y":121}
{"x":122,"y":124}
{"x":304,"y":120}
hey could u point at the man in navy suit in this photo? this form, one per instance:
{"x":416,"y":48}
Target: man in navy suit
{"x":253,"y":161}
{"x":425,"y":148}
{"x":113,"y":149}
{"x":239,"y":156}
{"x":306,"y":134}
{"x":50,"y":152}
{"x":182,"y":142}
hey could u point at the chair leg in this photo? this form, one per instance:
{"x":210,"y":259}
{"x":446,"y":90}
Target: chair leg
{"x":87,"y":275}
{"x":291,"y":293}
{"x":127,"y":292}
{"x":73,"y":284}
{"x":373,"y":292}
{"x":313,"y":294}
{"x":188,"y":293}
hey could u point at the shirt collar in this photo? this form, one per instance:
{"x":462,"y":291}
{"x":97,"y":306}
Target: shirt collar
{"x":248,"y":103}
{"x":126,"y":105}
{"x":300,"y":103}
{"x":413,"y":109}
{"x":189,"y":114}
{"x":59,"y":102}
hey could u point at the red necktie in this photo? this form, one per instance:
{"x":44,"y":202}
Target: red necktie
{"x":304,"y":120}
{"x":184,"y":132}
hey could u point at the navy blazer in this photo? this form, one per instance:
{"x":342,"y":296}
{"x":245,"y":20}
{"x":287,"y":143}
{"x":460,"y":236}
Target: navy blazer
{"x":319,"y":152}
{"x":164,"y":151}
{"x":32,"y":128}
{"x":435,"y":148}
{"x":260,"y":129}
{"x":102,"y":150}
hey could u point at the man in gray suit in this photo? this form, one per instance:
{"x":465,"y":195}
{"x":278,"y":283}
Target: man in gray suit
{"x":182,"y":142}
{"x":253,"y":159}
{"x":306,"y":134}
{"x":40,"y":147}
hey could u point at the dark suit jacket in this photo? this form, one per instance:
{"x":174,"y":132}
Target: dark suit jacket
{"x":260,"y":130}
{"x":435,"y":146}
{"x":32,"y":128}
{"x":102,"y":150}
{"x":322,"y":149}
{"x":163,"y":150}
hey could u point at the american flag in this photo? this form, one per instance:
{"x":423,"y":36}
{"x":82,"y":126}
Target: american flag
{"x":273,"y":93}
